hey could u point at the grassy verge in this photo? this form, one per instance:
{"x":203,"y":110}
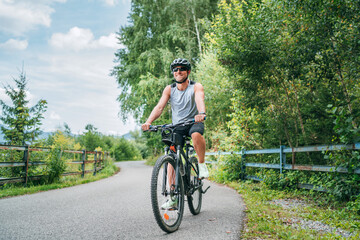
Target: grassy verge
{"x":66,"y":181}
{"x":150,"y":161}
{"x":301,"y":217}
{"x":300,"y":214}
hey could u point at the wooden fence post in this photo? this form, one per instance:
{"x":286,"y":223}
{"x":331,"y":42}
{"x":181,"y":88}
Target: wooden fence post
{"x":102,"y":163}
{"x":95,"y":161}
{"x":83,"y":163}
{"x":26,"y":161}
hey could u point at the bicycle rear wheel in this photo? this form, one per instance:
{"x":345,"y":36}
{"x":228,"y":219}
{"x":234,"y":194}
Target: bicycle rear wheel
{"x":163,"y":189}
{"x":195,"y":195}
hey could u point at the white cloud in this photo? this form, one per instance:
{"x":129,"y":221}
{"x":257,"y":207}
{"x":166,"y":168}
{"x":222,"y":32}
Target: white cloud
{"x":109,"y":41}
{"x":75,"y":39}
{"x":54,"y":116}
{"x":18,"y":17}
{"x":115,"y":2}
{"x":14,"y":44}
{"x":110,"y":2}
{"x":80,"y":38}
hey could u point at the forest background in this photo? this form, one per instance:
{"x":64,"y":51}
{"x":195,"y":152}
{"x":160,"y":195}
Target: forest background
{"x":274,"y":73}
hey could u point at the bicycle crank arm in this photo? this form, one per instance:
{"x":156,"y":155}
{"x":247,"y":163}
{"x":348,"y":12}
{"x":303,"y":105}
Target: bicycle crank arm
{"x":204,"y":191}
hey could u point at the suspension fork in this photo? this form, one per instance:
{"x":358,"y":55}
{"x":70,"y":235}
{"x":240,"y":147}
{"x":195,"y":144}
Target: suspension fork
{"x":163,"y":190}
{"x":177,"y":166}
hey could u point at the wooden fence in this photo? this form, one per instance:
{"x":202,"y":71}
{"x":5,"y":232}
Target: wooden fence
{"x":283,"y":165}
{"x":97,"y":159}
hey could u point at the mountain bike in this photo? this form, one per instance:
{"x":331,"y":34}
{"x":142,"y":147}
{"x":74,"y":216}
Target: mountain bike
{"x":175,"y":175}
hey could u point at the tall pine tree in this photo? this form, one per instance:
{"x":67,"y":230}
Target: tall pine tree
{"x":21,"y":124}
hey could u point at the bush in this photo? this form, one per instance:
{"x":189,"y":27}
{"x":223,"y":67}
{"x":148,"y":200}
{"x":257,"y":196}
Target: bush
{"x":227,"y":169}
{"x":55,"y":165}
{"x":125,"y":150}
{"x":109,"y":167}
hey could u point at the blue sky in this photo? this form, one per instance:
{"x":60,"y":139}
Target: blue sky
{"x":66,"y":48}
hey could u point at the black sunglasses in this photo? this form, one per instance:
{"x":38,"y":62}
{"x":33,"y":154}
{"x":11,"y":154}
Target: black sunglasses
{"x":179,"y":68}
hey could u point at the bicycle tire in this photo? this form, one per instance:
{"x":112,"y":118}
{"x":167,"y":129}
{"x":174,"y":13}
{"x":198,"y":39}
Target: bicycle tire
{"x":168,"y":220}
{"x":194,"y":198}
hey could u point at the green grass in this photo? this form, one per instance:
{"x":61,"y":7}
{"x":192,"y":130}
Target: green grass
{"x":66,"y":181}
{"x":150,"y":161}
{"x":266,"y":220}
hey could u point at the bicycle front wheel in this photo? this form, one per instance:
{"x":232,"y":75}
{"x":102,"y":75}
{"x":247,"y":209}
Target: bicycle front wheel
{"x":195,"y":195}
{"x":164,"y":190}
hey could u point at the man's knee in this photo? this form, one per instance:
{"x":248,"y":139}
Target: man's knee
{"x":196,"y":137}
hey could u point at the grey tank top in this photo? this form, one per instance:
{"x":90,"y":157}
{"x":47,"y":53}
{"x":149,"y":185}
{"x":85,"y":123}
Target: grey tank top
{"x":183,"y":106}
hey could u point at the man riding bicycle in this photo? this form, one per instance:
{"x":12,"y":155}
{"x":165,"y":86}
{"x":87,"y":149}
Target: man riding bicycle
{"x":187,"y":102}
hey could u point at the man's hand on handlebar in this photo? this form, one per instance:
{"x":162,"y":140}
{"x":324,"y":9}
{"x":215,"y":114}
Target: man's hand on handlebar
{"x":200,"y":117}
{"x":145,"y":126}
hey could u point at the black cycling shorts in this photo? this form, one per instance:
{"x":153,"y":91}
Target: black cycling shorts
{"x":188,"y":130}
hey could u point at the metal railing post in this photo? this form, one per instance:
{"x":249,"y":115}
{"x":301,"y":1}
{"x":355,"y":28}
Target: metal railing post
{"x":282,"y":160}
{"x":243,"y":167}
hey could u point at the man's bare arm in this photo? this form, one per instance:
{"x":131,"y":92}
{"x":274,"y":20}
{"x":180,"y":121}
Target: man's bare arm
{"x":200,"y":102}
{"x":158,"y":109}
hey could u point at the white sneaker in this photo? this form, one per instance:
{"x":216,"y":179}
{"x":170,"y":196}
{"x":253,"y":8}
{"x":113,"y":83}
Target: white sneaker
{"x":203,"y":171}
{"x":169,"y":204}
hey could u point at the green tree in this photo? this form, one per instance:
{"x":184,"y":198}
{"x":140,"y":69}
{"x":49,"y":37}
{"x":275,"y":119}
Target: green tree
{"x":219,"y":90}
{"x":21,"y":122}
{"x":290,"y":59}
{"x":91,"y":139}
{"x":125,"y":150}
{"x":159,"y":31}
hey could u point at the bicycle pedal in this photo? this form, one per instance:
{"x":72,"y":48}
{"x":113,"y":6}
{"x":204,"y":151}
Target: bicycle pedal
{"x":204,"y":191}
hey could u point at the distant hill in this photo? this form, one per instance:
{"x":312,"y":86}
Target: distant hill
{"x":127,"y":136}
{"x":45,"y":135}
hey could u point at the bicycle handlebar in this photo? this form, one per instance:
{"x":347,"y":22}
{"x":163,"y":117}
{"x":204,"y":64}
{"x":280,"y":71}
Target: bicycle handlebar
{"x":155,"y":128}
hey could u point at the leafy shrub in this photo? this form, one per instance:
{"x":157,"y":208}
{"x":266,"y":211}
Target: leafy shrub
{"x":125,"y":150}
{"x":109,"y":167}
{"x":227,"y":169}
{"x":55,"y":165}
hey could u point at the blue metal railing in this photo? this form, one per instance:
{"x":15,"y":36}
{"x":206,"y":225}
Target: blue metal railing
{"x":282,"y":165}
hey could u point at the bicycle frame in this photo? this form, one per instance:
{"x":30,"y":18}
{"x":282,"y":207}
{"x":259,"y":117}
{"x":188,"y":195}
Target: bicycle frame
{"x":180,"y":153}
{"x":177,"y":152}
{"x":175,"y":177}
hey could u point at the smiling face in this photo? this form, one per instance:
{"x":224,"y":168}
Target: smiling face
{"x":180,"y":73}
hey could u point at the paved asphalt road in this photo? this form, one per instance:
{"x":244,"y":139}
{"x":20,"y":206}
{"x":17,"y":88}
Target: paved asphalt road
{"x":116,"y":208}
